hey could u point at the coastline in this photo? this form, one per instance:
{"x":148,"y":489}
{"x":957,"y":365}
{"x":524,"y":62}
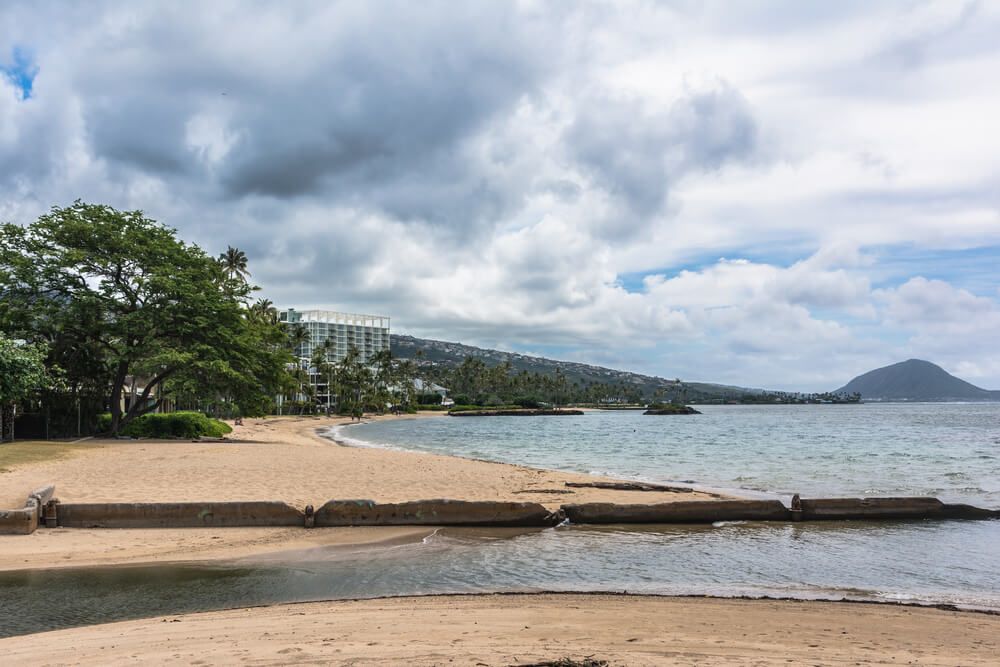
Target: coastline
{"x":288,"y":458}
{"x":511,"y":629}
{"x":281,"y":458}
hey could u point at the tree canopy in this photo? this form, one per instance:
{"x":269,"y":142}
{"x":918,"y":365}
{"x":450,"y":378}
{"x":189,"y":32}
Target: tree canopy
{"x":22,"y":372}
{"x":115,"y":295}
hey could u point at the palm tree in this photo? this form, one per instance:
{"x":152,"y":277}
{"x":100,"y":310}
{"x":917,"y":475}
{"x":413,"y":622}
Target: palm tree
{"x":321,"y":362}
{"x":298,"y":338}
{"x":265,"y":311}
{"x":234,"y":263}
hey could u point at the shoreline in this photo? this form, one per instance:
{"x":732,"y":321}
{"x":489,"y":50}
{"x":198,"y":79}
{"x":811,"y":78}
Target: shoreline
{"x":524,"y":628}
{"x":280,"y":458}
{"x":715,"y":492}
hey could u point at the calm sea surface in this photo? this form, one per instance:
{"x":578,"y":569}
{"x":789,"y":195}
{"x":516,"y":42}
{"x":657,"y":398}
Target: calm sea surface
{"x":947,"y":450}
{"x":951,"y":451}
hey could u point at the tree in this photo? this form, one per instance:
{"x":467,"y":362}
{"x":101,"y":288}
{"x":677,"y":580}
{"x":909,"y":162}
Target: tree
{"x":140,"y":301}
{"x":22,"y":372}
{"x":325,"y":370}
{"x":355,"y":377}
{"x":234,"y":263}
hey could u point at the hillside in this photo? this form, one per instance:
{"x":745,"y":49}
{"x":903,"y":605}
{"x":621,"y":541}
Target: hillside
{"x":915,"y":380}
{"x":452,"y":354}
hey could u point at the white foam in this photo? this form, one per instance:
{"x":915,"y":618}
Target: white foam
{"x":336,"y":433}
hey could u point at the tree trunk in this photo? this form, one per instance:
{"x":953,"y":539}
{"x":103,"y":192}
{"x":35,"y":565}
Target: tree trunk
{"x":116,"y":397}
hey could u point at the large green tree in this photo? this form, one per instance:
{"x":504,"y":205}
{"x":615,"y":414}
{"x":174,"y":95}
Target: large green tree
{"x":22,"y":373}
{"x":139,"y":303}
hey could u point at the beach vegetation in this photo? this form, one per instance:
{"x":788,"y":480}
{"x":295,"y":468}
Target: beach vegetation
{"x":22,"y":373}
{"x":137,"y":317}
{"x":181,"y":424}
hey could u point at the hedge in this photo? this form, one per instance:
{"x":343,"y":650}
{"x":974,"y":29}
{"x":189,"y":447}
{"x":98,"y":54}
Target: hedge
{"x":170,"y":425}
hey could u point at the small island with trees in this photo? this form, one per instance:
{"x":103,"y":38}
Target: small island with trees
{"x":670,"y":409}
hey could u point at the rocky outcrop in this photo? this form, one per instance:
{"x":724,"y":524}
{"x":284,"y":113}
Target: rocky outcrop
{"x":440,"y":512}
{"x":672,"y":410}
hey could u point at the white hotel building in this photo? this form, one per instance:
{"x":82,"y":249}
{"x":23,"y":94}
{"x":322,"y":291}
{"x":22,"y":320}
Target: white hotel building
{"x":368,"y":333}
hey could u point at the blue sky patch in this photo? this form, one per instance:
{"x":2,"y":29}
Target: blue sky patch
{"x":20,"y":70}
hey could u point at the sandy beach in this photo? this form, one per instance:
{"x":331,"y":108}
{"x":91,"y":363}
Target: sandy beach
{"x":489,"y":630}
{"x":285,"y":459}
{"x":280,"y":458}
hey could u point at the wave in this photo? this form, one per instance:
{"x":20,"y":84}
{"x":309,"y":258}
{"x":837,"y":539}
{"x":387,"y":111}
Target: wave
{"x":336,"y":434}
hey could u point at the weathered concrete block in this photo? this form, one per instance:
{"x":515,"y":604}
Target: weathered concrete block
{"x":23,"y":521}
{"x":179,"y":515}
{"x":814,"y":509}
{"x":706,"y":511}
{"x":43,"y":494}
{"x":440,"y":512}
{"x":960,"y":511}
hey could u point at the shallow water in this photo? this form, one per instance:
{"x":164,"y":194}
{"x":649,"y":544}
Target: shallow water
{"x":913,"y":562}
{"x":939,"y":449}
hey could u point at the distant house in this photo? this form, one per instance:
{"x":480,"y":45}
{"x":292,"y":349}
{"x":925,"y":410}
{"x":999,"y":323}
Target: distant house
{"x":429,"y":387}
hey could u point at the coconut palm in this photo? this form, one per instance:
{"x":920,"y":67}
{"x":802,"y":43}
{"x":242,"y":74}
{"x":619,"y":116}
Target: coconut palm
{"x":264,"y":311}
{"x":234,"y":263}
{"x":298,"y":337}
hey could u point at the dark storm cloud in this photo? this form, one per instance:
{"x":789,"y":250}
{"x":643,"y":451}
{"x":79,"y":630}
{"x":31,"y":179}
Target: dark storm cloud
{"x":639,"y":156}
{"x":378,"y":112}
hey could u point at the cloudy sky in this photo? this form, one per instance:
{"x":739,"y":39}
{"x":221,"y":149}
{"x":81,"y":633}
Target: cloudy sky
{"x":778,"y":194}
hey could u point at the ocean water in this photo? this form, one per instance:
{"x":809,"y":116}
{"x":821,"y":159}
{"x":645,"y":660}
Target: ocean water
{"x":939,"y":449}
{"x":946,"y":450}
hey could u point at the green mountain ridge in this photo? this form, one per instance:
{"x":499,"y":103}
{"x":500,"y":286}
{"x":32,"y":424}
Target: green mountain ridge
{"x":915,"y":380}
{"x":452,"y":354}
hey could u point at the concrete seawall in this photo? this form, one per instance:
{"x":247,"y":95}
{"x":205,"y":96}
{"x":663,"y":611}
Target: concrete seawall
{"x":22,"y":521}
{"x":445,"y":512}
{"x":178,"y":515}
{"x":826,"y":509}
{"x":434,"y":513}
{"x":705,"y":511}
{"x":25,"y":520}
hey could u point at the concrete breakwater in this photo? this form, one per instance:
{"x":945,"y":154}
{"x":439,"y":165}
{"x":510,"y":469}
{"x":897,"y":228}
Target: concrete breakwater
{"x":42,"y":509}
{"x":441,"y":512}
{"x":178,"y":515}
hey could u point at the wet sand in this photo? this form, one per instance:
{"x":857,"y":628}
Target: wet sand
{"x":525,"y":629}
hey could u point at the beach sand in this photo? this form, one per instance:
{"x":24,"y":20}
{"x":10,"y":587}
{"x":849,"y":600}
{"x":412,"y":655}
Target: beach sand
{"x":266,"y":459}
{"x":526,"y":629}
{"x":284,"y":459}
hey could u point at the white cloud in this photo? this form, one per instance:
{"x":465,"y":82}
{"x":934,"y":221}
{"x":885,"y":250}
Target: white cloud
{"x":509,"y":173}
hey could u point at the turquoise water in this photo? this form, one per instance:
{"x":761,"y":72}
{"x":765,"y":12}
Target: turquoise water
{"x":952,"y":451}
{"x":947,"y":450}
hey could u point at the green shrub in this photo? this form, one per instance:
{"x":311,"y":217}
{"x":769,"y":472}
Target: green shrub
{"x":184,"y":425}
{"x":527,"y":402}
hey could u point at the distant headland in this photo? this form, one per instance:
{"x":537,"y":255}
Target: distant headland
{"x":915,"y":380}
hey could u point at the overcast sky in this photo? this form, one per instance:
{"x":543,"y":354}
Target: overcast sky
{"x":779,"y":194}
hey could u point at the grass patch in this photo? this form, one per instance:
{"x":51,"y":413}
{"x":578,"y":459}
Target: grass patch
{"x":14,"y":454}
